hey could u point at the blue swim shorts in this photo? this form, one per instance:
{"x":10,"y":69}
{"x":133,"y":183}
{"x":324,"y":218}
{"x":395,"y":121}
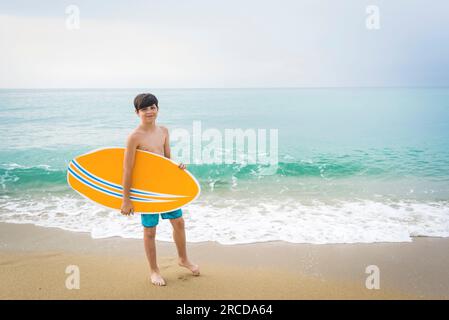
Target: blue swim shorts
{"x":151,"y":220}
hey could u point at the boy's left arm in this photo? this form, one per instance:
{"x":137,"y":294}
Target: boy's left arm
{"x":167,"y":151}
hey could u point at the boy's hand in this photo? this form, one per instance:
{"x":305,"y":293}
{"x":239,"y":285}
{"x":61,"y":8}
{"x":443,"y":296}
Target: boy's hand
{"x":127,"y":208}
{"x":182,"y":166}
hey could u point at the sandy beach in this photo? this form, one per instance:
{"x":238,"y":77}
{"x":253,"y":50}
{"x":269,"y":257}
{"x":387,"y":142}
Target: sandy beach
{"x":33,"y":262}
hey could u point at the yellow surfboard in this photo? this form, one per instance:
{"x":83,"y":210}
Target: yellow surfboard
{"x":158,"y":184}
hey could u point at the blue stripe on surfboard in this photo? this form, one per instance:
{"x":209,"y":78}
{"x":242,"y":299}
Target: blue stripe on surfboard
{"x":118,"y":195}
{"x":119,"y":187}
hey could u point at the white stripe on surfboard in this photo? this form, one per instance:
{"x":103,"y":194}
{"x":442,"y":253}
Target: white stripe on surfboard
{"x":109,"y":192}
{"x":119,"y":187}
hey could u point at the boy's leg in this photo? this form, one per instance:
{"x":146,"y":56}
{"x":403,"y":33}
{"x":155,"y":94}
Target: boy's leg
{"x":179,"y":236}
{"x":149,"y":222}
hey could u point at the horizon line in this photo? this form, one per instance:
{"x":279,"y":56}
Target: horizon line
{"x":199,"y":88}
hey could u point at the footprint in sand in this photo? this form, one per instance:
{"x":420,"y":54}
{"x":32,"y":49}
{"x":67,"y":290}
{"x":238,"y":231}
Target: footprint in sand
{"x":183,"y":278}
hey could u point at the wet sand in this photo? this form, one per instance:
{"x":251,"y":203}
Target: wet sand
{"x":33,"y":262}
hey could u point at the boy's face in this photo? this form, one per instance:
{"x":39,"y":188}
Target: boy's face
{"x":148,"y":114}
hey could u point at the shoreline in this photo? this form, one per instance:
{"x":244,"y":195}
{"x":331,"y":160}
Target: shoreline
{"x":33,"y":260}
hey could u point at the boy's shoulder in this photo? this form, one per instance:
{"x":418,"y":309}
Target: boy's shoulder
{"x":134,"y":134}
{"x":164,"y":129}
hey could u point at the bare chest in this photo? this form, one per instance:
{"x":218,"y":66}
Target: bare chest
{"x":153,"y":144}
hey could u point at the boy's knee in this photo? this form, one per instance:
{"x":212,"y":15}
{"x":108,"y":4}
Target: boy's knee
{"x":149,"y":232}
{"x":177,"y":222}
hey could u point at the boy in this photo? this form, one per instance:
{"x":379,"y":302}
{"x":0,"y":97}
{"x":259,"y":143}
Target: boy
{"x":150,"y":137}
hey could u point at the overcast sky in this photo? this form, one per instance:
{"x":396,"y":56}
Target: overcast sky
{"x":207,"y":43}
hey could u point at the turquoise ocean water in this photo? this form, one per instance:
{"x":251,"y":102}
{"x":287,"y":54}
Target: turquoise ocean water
{"x":354,"y":165}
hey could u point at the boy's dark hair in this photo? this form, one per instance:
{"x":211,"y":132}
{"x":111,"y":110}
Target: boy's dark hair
{"x":144,"y":100}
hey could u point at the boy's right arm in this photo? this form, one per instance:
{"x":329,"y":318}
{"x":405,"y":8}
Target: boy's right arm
{"x":128,"y":164}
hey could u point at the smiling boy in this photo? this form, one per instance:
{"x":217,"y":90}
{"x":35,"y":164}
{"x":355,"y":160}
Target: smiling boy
{"x":151,"y":137}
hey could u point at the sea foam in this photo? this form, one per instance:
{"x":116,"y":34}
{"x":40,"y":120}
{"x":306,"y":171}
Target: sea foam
{"x":234,"y":221}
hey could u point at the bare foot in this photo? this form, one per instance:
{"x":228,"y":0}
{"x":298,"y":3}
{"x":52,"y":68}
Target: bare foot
{"x":189,"y":265}
{"x":157,"y":279}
